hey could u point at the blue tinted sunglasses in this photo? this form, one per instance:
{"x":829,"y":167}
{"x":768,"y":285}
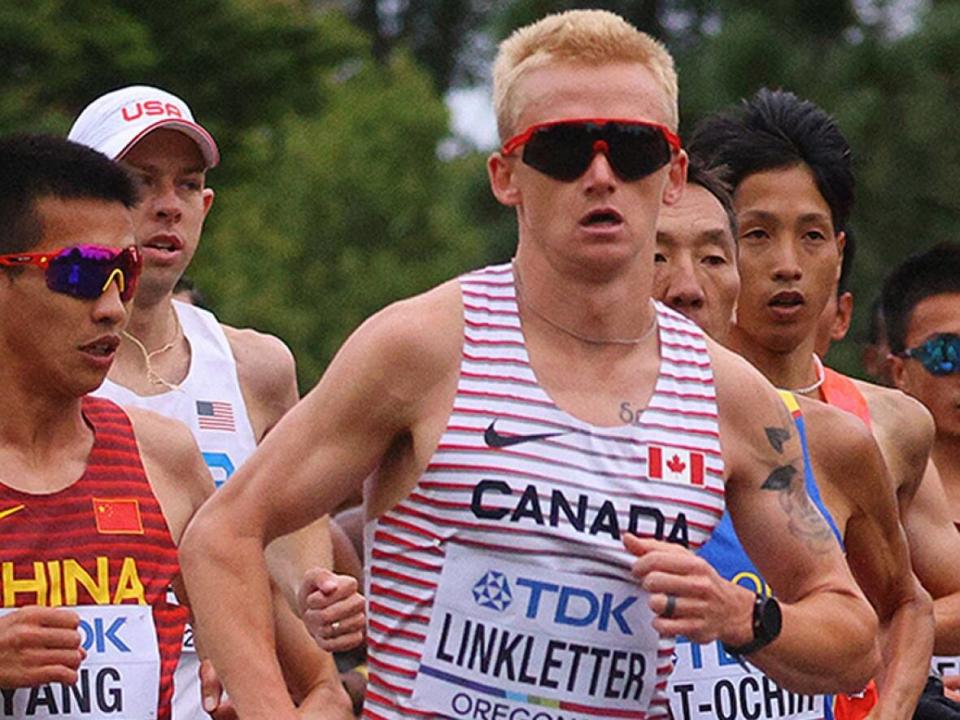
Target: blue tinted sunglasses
{"x":939,"y":354}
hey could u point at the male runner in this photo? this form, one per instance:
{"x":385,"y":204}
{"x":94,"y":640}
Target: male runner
{"x":790,"y":167}
{"x":93,"y":500}
{"x":506,"y":479}
{"x":228,"y":385}
{"x":696,"y":254}
{"x":697,"y":273}
{"x":920,"y":304}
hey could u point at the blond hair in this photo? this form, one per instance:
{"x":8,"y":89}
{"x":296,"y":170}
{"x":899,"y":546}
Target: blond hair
{"x":587,"y":36}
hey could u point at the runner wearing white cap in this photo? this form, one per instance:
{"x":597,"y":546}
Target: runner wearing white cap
{"x":114,"y":122}
{"x":229,"y":385}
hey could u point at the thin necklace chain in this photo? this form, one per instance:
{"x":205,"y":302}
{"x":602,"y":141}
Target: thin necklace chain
{"x":821,"y":376}
{"x":573,"y":333}
{"x":153,"y":376}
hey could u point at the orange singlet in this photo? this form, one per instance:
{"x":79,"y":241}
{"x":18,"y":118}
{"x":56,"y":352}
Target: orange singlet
{"x":840,"y":391}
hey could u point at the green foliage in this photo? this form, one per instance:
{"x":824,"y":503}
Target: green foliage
{"x":351,"y":213}
{"x":332,"y":199}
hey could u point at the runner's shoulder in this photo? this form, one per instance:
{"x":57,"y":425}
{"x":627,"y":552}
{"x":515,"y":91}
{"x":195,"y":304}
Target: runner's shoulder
{"x":265,"y":363}
{"x":899,"y":418}
{"x":838,"y":440}
{"x":738,"y":383}
{"x":170,"y":457}
{"x":747,"y":404}
{"x":414,"y":341}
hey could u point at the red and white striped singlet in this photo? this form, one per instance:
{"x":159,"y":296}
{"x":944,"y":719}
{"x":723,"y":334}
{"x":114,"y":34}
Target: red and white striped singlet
{"x":500,"y":587}
{"x":102,"y":547}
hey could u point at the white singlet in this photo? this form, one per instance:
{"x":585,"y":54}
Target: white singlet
{"x":500,"y":587}
{"x":210,"y":403}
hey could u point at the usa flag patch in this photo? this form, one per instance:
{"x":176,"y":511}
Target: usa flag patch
{"x":668,"y":464}
{"x":215,"y":415}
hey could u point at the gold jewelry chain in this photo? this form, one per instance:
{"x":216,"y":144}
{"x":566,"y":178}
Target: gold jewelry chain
{"x":153,"y":376}
{"x":573,"y":333}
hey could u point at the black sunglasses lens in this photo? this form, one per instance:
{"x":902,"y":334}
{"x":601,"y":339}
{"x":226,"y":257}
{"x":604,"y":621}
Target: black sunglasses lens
{"x":636,"y":150}
{"x":563,"y":152}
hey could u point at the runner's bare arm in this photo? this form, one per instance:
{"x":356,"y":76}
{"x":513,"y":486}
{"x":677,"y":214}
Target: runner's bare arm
{"x":905,"y":430}
{"x":933,"y":538}
{"x":182,"y":483}
{"x":267,"y":374}
{"x":828,"y":641}
{"x":373,"y":396}
{"x":847,"y":456}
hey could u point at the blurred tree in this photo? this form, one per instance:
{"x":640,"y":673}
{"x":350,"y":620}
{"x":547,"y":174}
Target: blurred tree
{"x":355,"y":212}
{"x":332,"y":199}
{"x":238,"y":64}
{"x":435,"y":31}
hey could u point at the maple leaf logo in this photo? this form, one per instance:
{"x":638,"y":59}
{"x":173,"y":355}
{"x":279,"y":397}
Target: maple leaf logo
{"x":676,"y":465}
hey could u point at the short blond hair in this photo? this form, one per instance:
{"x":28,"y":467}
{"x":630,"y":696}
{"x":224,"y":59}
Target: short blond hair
{"x":587,"y":36}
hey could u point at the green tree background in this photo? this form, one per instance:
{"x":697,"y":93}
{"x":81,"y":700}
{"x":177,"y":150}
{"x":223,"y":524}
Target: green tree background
{"x":341,"y":190}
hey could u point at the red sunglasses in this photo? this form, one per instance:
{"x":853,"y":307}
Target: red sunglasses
{"x":85,"y":271}
{"x":564,"y":149}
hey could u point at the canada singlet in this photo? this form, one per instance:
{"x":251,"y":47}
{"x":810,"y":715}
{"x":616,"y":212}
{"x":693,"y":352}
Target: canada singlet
{"x":102,"y":547}
{"x":500,"y":587}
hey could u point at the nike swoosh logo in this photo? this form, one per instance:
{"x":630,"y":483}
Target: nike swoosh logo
{"x":10,"y":511}
{"x":496,"y":440}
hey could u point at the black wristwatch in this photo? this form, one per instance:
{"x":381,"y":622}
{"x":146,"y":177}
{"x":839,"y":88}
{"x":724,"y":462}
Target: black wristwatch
{"x":767,"y":622}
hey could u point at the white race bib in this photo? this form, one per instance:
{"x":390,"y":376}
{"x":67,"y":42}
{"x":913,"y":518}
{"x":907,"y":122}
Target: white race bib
{"x":507,"y":637}
{"x":120,"y":677}
{"x":709,"y":683}
{"x":945,"y":665}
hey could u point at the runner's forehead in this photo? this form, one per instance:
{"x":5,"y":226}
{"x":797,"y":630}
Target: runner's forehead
{"x":559,"y":91}
{"x":83,"y":222}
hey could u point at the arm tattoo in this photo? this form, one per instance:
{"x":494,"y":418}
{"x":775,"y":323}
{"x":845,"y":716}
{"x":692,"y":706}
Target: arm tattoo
{"x":805,"y":520}
{"x":780,"y":478}
{"x":777,"y":437}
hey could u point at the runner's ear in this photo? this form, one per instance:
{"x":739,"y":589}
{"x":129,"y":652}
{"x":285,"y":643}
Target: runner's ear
{"x":500,"y":170}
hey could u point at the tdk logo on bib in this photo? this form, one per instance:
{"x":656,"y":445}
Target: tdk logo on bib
{"x":493,"y":591}
{"x":576,"y":606}
{"x":558,"y":604}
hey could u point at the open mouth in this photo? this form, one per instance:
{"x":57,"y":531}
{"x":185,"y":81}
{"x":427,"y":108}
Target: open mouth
{"x":102,"y":347}
{"x":604,"y":217}
{"x":786,"y":300}
{"x":164,"y":243}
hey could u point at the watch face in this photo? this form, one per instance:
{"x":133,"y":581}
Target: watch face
{"x":771,"y":618}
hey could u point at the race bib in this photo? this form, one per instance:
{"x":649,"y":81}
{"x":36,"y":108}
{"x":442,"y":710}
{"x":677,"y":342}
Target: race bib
{"x":709,"y":683}
{"x":945,"y":665}
{"x":507,"y":637}
{"x":120,"y":677}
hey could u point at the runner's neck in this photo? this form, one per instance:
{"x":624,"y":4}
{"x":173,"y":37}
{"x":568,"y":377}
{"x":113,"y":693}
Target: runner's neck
{"x":794,"y":368}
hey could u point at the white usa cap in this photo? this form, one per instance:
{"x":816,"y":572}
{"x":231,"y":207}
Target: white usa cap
{"x":115,"y":122}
